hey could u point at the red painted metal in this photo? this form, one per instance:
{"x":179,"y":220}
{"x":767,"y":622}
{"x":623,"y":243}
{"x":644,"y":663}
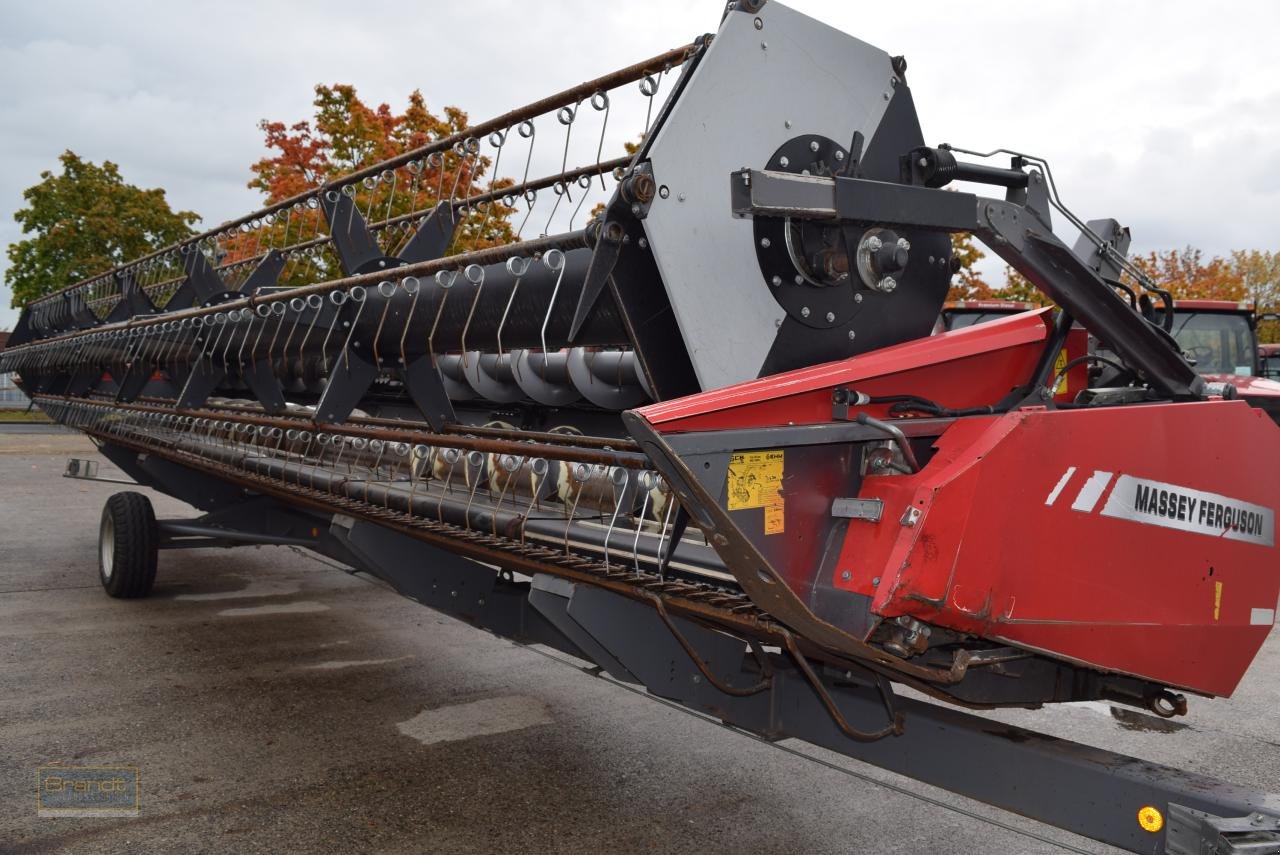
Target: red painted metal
{"x":996,"y":553}
{"x":1243,"y":307}
{"x":1029,"y":531}
{"x":968,"y":367}
{"x":989,"y":305}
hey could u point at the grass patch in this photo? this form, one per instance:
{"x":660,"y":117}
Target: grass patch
{"x":35,"y":416}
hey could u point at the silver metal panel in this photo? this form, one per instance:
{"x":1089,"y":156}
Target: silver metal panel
{"x":754,"y":90}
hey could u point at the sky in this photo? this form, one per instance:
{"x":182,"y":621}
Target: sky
{"x":1164,"y":115}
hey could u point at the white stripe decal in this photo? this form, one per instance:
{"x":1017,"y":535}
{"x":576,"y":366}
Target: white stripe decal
{"x":1262,"y":617}
{"x":1091,"y":491}
{"x":1062,"y":482}
{"x":1187,"y":509}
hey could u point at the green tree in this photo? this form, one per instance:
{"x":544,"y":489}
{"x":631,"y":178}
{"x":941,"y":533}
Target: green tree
{"x":1019,"y":287}
{"x":83,"y":221}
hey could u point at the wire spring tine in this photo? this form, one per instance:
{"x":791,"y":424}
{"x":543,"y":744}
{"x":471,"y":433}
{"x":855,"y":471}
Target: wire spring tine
{"x":413,"y":287}
{"x":662,"y":539}
{"x":517,"y":266}
{"x":618,"y":497}
{"x":646,"y":483}
{"x":599,"y":102}
{"x":357,"y":294}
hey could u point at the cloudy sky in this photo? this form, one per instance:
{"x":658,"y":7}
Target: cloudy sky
{"x":1165,"y":115}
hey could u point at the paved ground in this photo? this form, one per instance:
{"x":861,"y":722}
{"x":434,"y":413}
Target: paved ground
{"x":275,"y":703}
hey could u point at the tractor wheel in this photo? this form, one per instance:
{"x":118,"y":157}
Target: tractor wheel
{"x":127,"y":545}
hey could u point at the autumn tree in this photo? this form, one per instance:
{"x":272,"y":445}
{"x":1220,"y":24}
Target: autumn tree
{"x":82,"y":221}
{"x":1260,"y":273}
{"x":967,"y":283}
{"x":1018,"y":287}
{"x":347,"y":135}
{"x":1186,"y":275}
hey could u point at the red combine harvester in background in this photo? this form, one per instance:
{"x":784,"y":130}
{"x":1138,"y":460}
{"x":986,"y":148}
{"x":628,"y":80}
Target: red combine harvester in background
{"x":957,"y":314}
{"x":705,"y":441}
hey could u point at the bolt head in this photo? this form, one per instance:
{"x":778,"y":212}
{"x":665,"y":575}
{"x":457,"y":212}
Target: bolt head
{"x":799,"y":280}
{"x":846,"y":575}
{"x":804,"y":311}
{"x":784,"y":162}
{"x":839,"y":155}
{"x":759,"y":24}
{"x":857,"y":298}
{"x":775,"y":281}
{"x":831,"y":316}
{"x":887,"y":284}
{"x":813,"y":146}
{"x":852,"y":335}
{"x":663,"y":191}
{"x":765,"y":242}
{"x":903,"y":243}
{"x":875,"y":581}
{"x":874,"y":243}
{"x":680,"y":197}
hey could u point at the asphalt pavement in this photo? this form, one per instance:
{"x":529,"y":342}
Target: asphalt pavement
{"x":272,"y":701}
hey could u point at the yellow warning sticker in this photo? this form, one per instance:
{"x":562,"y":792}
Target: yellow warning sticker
{"x":1217,"y":599}
{"x":754,"y":480}
{"x":1059,"y":364}
{"x":774,"y":517}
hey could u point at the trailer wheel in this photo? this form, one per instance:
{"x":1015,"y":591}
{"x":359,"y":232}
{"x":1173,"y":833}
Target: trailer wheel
{"x":127,"y":546}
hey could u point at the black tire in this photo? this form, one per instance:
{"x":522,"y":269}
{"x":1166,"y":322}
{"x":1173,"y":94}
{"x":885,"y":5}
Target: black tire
{"x":127,"y":545}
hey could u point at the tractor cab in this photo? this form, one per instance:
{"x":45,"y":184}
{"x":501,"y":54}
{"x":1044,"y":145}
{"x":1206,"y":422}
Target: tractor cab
{"x":1219,"y":335}
{"x":1269,"y":361}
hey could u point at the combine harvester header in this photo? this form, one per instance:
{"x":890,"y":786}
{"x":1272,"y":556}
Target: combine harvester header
{"x":704,"y":439}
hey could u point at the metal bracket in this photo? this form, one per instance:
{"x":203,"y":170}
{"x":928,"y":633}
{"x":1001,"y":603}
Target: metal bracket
{"x":858,"y":509}
{"x":1017,"y":232}
{"x":87,"y":470}
{"x":356,"y":248}
{"x":1195,"y":832}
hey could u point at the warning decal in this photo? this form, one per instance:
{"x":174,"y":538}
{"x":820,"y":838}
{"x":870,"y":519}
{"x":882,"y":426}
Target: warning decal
{"x":1058,"y":365}
{"x":754,"y":480}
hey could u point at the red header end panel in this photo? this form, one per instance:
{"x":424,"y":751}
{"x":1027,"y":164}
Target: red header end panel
{"x":1138,"y":539}
{"x":1135,"y":539}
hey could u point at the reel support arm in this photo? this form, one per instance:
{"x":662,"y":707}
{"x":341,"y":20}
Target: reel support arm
{"x":1017,"y":231}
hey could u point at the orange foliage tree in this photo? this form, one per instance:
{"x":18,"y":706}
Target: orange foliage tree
{"x":1188,"y":276}
{"x":967,"y":283}
{"x":347,"y":135}
{"x":1260,"y":272}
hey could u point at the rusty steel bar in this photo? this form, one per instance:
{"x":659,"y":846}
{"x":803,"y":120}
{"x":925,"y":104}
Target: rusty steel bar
{"x":566,"y":97}
{"x":478,"y":199}
{"x":521,"y":447}
{"x":575,"y":440}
